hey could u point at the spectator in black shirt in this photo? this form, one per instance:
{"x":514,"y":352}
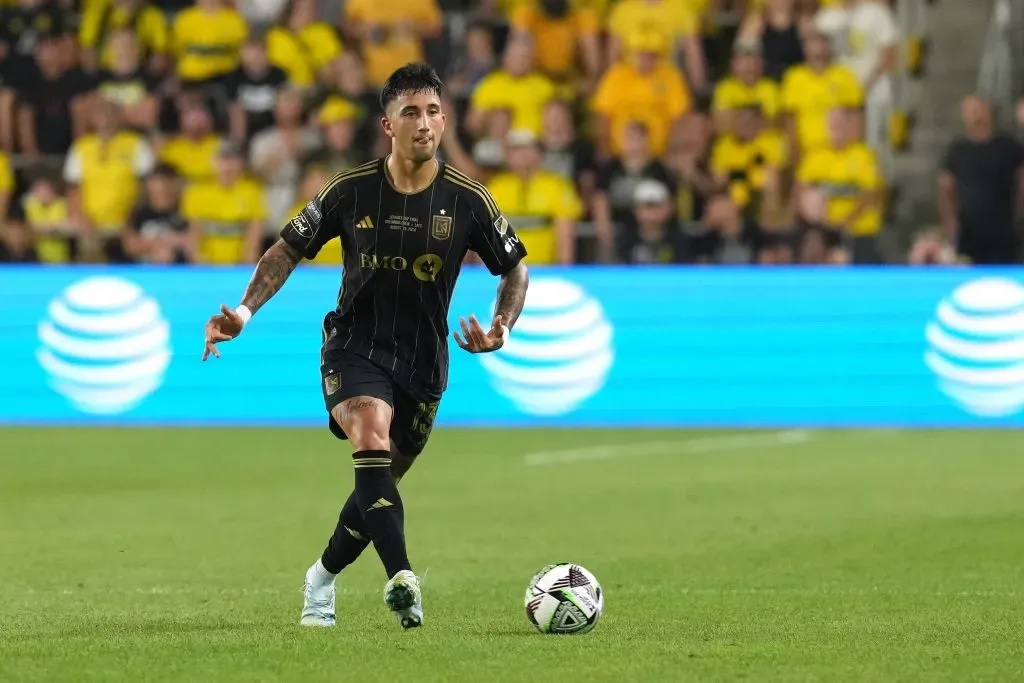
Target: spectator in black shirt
{"x":979,"y":191}
{"x":617,"y":181}
{"x":725,"y":237}
{"x":16,"y":245}
{"x":349,"y":81}
{"x":52,"y":102}
{"x":687,"y":159}
{"x":565,"y":153}
{"x":253,"y":89}
{"x":656,"y":237}
{"x":128,"y":84}
{"x":156,"y":231}
{"x":337,"y":119}
{"x":26,"y":24}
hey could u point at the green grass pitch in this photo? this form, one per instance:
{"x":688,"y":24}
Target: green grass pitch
{"x":148,"y":555}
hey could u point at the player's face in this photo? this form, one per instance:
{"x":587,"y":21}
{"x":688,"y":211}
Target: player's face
{"x":415,"y":124}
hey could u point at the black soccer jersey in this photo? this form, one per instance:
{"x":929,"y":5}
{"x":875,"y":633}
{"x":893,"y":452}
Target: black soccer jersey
{"x":402,"y":255}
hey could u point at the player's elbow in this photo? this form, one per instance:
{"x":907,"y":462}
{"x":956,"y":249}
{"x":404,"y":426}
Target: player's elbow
{"x":519,"y":275}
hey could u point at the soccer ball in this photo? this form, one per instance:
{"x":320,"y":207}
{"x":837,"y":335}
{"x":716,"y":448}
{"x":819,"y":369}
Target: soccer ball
{"x":564,"y":598}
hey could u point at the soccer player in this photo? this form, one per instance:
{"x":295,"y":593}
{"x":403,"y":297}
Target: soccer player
{"x":406,"y":221}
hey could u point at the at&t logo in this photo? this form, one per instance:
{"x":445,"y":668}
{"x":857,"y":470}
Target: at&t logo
{"x":976,"y":347}
{"x":558,"y":355}
{"x":104,"y":345}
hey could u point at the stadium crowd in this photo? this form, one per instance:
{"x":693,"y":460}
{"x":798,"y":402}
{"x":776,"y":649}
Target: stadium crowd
{"x":630,"y":131}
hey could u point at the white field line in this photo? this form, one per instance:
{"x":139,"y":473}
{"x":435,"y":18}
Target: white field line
{"x":707,"y":444}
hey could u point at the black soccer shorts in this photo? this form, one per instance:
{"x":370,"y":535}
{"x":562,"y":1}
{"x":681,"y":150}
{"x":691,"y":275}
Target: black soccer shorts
{"x":345,"y":375}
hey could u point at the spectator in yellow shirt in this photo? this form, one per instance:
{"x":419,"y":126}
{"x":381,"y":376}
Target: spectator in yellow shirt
{"x":226,"y":216}
{"x":846,"y":172}
{"x":6,"y":186}
{"x":207,"y":39}
{"x":193,"y":151}
{"x":673,"y":20}
{"x":745,"y":87}
{"x":102,"y":18}
{"x":104,"y":169}
{"x":301,"y":45}
{"x":542,"y":206}
{"x":566,"y":35}
{"x":647,"y":90}
{"x":810,"y":90}
{"x":391,"y":32}
{"x":48,"y":216}
{"x":516,"y":86}
{"x":749,"y":163}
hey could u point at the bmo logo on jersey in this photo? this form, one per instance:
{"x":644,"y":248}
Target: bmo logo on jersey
{"x":426,"y":268}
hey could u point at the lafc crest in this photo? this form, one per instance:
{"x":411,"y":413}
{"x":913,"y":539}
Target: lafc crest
{"x":441,"y":227}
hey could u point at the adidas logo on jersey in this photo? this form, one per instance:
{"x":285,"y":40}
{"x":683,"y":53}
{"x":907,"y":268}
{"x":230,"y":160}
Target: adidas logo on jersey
{"x":381,"y":503}
{"x":365,"y":224}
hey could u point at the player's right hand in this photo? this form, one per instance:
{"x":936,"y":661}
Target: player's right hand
{"x":223,"y":327}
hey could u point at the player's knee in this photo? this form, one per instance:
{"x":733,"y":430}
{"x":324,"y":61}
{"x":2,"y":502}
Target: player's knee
{"x":367,"y":422}
{"x":400,"y":464}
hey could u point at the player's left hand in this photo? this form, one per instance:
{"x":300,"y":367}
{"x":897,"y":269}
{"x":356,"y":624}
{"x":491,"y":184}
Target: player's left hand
{"x":221,"y":328}
{"x":477,"y":340}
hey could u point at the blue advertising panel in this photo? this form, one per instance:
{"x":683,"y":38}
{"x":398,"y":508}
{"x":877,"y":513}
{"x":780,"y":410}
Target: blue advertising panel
{"x":595,"y":346}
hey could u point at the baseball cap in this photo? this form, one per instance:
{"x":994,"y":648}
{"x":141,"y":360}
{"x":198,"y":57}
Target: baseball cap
{"x":336,"y":109}
{"x":650,"y":192}
{"x":519,"y":137}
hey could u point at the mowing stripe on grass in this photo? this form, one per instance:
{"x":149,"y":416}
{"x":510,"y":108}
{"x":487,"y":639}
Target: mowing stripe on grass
{"x":707,"y":444}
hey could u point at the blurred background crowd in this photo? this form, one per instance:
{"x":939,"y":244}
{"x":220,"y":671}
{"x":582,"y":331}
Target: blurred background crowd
{"x":628,"y":131}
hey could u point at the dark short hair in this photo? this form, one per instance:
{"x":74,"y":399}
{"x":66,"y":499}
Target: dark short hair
{"x":164,"y":170}
{"x":413,"y":77}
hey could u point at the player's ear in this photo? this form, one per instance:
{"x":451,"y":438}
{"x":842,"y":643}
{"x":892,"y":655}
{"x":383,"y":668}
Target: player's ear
{"x":385,"y":123}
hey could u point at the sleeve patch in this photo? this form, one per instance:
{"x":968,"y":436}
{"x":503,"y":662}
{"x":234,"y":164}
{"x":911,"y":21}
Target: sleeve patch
{"x":501,"y":224}
{"x":313,"y":208}
{"x":302,"y":226}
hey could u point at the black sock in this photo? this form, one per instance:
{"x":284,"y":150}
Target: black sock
{"x":381,"y":507}
{"x":349,"y":539}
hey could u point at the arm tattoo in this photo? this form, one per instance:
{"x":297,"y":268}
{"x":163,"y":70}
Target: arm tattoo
{"x":512,"y":294}
{"x":271,"y":272}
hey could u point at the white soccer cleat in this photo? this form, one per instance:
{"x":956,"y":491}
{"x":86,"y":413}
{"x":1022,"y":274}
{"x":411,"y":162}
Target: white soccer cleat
{"x":402,"y":596}
{"x":318,"y":607}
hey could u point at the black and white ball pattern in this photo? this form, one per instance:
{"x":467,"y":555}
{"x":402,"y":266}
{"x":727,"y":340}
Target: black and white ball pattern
{"x":564,"y":598}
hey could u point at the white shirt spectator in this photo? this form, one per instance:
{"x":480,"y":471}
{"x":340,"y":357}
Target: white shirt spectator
{"x":872,"y":31}
{"x":143,"y":163}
